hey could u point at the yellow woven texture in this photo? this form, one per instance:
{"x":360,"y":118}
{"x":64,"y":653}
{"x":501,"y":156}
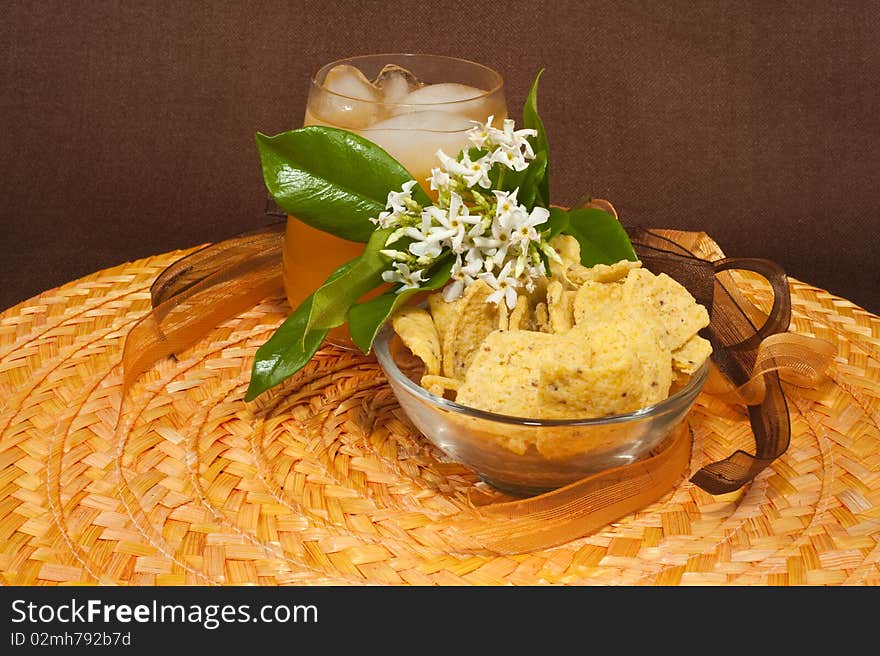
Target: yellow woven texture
{"x":324,"y":481}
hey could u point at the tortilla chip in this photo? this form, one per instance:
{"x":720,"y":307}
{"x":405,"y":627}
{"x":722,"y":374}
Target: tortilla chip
{"x":629,"y":369}
{"x":569,"y":250}
{"x":439,"y":384}
{"x":691,"y":355}
{"x":416,"y":329}
{"x":674,"y":306}
{"x":542,"y":318}
{"x":503,"y":317}
{"x":441,"y":312}
{"x":560,"y":307}
{"x":473,"y":319}
{"x":614,"y":345}
{"x":579,"y":274}
{"x":505,"y":374}
{"x":595,"y":301}
{"x":519,"y":317}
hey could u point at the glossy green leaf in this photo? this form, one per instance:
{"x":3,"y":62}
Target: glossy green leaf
{"x":331,"y":179}
{"x":528,"y":181}
{"x":530,"y":193}
{"x":602,"y":238}
{"x":288,"y":350}
{"x":334,"y":298}
{"x":365,"y":319}
{"x":532,"y":121}
{"x":556,"y":223}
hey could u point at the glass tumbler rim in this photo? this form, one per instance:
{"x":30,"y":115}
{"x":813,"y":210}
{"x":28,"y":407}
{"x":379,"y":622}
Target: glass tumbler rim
{"x":321,"y":73}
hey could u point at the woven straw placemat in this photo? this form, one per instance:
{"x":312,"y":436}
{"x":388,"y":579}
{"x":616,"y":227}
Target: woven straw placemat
{"x":325,"y":482}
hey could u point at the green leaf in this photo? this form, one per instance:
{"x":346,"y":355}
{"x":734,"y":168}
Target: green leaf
{"x":333,"y":299}
{"x":528,"y":181}
{"x":556,"y":223}
{"x":532,"y":121}
{"x":602,"y":238}
{"x":533,"y":181}
{"x":475,"y":153}
{"x":331,"y":179}
{"x":365,"y":319}
{"x":288,"y":350}
{"x":530,"y":186}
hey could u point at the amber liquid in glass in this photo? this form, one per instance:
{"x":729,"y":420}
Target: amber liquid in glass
{"x":308,"y":258}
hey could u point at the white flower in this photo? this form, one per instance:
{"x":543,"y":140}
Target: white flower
{"x":474,"y":261}
{"x":516,"y":139}
{"x":510,"y":148}
{"x":430,"y":239}
{"x":472,"y":173}
{"x":500,"y":240}
{"x":397,"y":256}
{"x":497,"y":241}
{"x":509,"y":157}
{"x":440,"y":180}
{"x":402,"y":274}
{"x":481,"y":132}
{"x":531,"y":274}
{"x":447,"y":163}
{"x":477,"y":171}
{"x":397,"y":200}
{"x":400,"y":204}
{"x":454,"y":290}
{"x":428,"y":248}
{"x":385,"y":220}
{"x":506,"y":202}
{"x":523,"y":223}
{"x":461,"y":276}
{"x":484,"y":135}
{"x":504,"y":284}
{"x":456,"y":218}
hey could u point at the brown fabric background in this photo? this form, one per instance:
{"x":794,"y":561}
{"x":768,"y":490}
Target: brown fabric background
{"x":127,"y":127}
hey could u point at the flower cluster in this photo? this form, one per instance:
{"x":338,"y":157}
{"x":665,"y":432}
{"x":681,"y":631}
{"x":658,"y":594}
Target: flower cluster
{"x":487,"y":232}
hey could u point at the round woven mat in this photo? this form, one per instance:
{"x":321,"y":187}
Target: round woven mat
{"x":325,"y":482}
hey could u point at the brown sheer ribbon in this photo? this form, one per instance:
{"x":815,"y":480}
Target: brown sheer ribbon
{"x":753,"y":352}
{"x":200,"y":291}
{"x":736,"y":341}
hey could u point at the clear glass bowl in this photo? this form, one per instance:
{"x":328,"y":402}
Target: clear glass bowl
{"x":525,"y":456}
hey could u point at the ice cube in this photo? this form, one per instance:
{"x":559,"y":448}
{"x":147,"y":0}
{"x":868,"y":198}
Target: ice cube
{"x":461,"y":99}
{"x":430,"y":120}
{"x":349,"y":81}
{"x":394,"y":82}
{"x":351,"y":102}
{"x":445,"y":92}
{"x":413,"y":138}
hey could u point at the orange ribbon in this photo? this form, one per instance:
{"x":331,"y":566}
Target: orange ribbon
{"x":578,"y":509}
{"x":799,"y":360}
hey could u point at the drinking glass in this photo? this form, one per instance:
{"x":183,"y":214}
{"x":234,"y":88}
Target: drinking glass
{"x":409,"y":104}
